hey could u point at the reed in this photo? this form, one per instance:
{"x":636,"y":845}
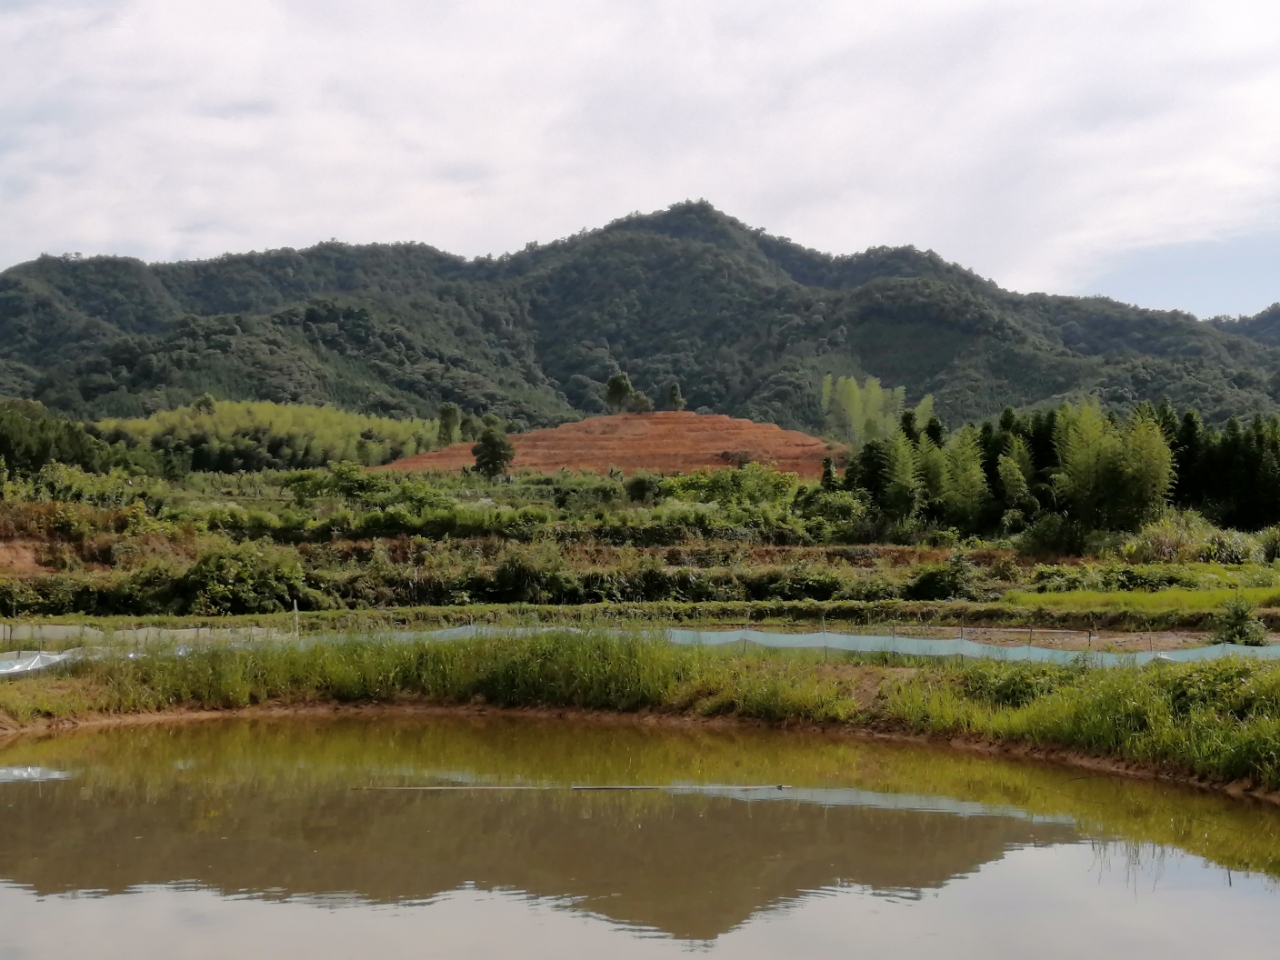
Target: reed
{"x":565,"y":669}
{"x":1218,"y":720}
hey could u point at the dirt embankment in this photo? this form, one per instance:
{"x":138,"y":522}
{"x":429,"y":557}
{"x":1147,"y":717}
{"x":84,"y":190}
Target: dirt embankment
{"x":21,"y":558}
{"x":663,"y":442}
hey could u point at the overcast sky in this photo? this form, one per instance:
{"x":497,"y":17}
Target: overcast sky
{"x":1127,"y":147}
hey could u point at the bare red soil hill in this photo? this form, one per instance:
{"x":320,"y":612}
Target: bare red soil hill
{"x":663,"y":442}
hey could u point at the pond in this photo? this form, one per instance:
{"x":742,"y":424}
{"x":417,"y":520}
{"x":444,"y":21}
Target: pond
{"x":440,"y":836}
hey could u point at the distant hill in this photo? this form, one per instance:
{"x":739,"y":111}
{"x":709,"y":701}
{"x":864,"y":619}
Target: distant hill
{"x":746,"y":322}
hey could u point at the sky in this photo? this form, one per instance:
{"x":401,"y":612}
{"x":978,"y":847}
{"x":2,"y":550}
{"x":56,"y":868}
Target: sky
{"x":1125,"y":147}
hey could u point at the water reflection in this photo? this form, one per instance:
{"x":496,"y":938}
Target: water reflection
{"x":293,"y":812}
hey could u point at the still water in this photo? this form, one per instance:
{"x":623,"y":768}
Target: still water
{"x":246,"y":839}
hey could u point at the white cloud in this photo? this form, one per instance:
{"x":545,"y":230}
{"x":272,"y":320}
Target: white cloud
{"x":1033,"y":141}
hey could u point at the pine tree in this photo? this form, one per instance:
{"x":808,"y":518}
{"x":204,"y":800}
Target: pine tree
{"x":493,"y":453}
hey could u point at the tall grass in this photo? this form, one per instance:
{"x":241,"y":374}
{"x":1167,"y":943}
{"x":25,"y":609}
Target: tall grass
{"x":556,"y":669}
{"x":587,"y":670}
{"x":1219,"y":720}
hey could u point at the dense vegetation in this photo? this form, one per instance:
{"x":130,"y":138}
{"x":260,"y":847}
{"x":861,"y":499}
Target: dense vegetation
{"x":977,"y":514}
{"x":744,"y":323}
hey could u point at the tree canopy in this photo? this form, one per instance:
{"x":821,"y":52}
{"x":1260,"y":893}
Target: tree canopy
{"x":748,"y":324}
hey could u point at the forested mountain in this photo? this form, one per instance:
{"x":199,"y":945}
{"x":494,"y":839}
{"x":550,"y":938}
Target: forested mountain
{"x":747,"y":323}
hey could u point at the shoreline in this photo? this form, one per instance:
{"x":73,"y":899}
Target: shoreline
{"x":878,"y":731}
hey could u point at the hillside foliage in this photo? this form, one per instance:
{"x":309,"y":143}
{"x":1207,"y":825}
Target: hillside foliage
{"x":738,"y":321}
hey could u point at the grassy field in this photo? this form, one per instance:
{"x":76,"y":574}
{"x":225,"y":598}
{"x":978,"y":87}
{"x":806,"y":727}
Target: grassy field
{"x":1172,"y":600}
{"x":1219,"y":721}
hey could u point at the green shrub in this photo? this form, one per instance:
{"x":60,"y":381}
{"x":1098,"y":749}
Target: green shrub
{"x":1012,"y":684}
{"x":942,"y":581}
{"x":749,"y":484}
{"x":1052,"y":535}
{"x":643,"y":487}
{"x":1269,"y":542}
{"x":1230,"y":547}
{"x":1237,"y":624}
{"x":252,"y":578}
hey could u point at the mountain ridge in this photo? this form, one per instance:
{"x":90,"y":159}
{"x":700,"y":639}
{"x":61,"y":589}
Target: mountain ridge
{"x":748,"y":323}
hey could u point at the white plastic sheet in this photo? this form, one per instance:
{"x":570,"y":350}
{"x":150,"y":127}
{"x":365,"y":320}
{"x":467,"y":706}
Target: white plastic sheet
{"x":23,"y":663}
{"x":20,"y":663}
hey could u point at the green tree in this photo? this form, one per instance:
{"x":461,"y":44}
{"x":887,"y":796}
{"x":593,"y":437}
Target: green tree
{"x":639,"y":402}
{"x":967,"y":494}
{"x":1146,"y":473}
{"x":675,"y":400}
{"x":471,"y":427}
{"x":1088,"y":455}
{"x":902,"y":492}
{"x":1014,"y":489}
{"x":1016,"y":450}
{"x":828,"y":474}
{"x":1111,"y":475}
{"x":867,"y":412}
{"x":618,"y":392}
{"x":493,"y":453}
{"x":931,"y":467}
{"x":450,"y":421}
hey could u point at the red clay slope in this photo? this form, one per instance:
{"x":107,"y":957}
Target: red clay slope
{"x":663,"y":442}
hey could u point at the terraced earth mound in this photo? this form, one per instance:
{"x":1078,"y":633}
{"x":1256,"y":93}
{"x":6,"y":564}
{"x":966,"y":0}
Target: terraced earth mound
{"x":662,"y":442}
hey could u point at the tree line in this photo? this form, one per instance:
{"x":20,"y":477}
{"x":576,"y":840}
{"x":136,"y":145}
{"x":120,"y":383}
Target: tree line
{"x":1068,"y":471}
{"x":1057,"y":473}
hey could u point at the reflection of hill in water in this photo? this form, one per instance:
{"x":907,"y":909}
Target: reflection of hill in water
{"x":692,"y":866}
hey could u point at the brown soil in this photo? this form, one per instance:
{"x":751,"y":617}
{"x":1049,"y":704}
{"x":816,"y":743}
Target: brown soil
{"x":21,"y":559}
{"x":664,"y":442}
